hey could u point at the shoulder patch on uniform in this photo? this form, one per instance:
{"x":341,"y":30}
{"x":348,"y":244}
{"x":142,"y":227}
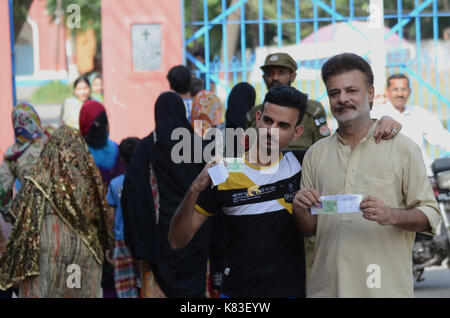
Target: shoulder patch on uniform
{"x":313,"y":107}
{"x":320,"y":121}
{"x":316,"y":111}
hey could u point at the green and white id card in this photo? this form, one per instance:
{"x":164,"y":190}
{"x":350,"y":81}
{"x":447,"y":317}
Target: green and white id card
{"x":234,"y":164}
{"x":327,"y":207}
{"x":342,"y":203}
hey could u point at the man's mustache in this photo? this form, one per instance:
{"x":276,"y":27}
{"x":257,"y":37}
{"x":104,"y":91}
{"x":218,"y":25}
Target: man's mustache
{"x":276,"y":83}
{"x":342,"y":107}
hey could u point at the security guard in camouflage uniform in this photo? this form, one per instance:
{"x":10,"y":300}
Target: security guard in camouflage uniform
{"x":280,"y":69}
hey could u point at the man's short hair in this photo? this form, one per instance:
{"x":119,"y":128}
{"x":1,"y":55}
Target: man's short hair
{"x":179,"y":78}
{"x":397,"y":76}
{"x":346,"y":62}
{"x":289,"y":97}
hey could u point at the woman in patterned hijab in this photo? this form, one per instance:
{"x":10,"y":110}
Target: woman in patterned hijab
{"x":20,"y":157}
{"x":27,"y":128}
{"x":63,"y":224}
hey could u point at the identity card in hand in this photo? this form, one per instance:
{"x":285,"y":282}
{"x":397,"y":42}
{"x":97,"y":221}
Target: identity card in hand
{"x":218,"y":173}
{"x":342,"y":203}
{"x":234,"y":164}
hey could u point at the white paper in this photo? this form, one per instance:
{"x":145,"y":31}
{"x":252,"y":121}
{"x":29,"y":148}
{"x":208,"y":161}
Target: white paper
{"x":342,"y":203}
{"x":218,"y":173}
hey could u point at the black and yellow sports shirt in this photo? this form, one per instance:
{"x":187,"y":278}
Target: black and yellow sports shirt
{"x":264,"y":253}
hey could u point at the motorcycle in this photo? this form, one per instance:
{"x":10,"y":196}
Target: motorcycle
{"x":434,"y":250}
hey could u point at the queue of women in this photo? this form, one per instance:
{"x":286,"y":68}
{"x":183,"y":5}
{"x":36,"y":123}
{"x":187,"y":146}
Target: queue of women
{"x":64,"y":231}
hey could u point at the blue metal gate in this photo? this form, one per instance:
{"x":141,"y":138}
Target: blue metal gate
{"x":414,"y":42}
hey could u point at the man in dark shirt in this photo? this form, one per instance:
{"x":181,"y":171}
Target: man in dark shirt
{"x":264,"y":255}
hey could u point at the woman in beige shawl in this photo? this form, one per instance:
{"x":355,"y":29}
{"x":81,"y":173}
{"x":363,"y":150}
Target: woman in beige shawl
{"x":63,"y":224}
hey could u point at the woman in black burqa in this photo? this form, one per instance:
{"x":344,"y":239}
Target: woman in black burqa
{"x":240,"y":101}
{"x":148,"y":206}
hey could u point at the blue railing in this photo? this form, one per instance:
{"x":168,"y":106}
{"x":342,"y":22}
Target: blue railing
{"x":427,"y":67}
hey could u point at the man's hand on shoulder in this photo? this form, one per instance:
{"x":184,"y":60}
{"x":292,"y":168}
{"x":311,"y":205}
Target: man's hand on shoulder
{"x":387,"y":128}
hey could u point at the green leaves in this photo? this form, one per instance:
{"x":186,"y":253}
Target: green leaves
{"x":20,"y":12}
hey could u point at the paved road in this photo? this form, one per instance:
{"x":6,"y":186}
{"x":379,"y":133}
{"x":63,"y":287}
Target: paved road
{"x":435,"y":285}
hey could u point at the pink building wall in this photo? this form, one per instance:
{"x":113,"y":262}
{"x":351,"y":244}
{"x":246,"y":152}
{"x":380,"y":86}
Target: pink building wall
{"x":6,"y":99}
{"x":129,"y":95}
{"x":46,"y":36}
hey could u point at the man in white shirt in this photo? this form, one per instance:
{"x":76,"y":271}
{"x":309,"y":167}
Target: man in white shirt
{"x":417,"y":122}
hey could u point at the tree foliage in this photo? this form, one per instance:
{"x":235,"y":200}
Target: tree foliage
{"x":20,"y":12}
{"x":194,"y":16}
